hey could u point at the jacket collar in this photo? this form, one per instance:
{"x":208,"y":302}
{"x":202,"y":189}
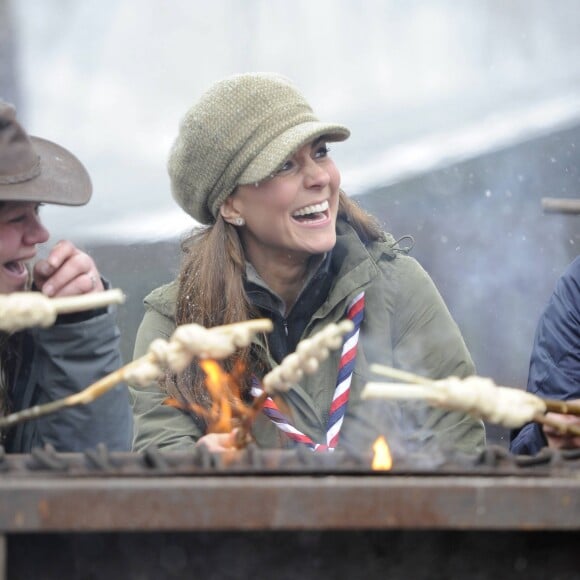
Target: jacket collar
{"x":263,"y":296}
{"x":353,"y":267}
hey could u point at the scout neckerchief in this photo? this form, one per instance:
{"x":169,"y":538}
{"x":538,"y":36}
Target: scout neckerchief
{"x":355,"y":312}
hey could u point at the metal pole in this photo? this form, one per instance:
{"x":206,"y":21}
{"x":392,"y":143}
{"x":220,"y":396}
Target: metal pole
{"x":2,"y":556}
{"x":561,"y":205}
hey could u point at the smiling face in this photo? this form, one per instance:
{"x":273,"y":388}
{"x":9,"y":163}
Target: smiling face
{"x":20,"y":231}
{"x":291,"y":216}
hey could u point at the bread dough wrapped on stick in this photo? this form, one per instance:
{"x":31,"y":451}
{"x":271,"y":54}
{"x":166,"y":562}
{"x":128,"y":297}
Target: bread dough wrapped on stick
{"x":187,"y":342}
{"x":478,"y":396}
{"x":307,"y":357}
{"x":28,"y":309}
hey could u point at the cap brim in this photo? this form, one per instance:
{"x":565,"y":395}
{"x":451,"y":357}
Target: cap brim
{"x":63,"y":178}
{"x":278,"y":150}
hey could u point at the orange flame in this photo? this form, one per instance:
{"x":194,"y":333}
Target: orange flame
{"x":227,"y":408}
{"x":216,"y":382}
{"x":382,"y":459}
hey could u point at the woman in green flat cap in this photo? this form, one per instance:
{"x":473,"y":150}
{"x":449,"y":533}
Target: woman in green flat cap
{"x":281,"y":240}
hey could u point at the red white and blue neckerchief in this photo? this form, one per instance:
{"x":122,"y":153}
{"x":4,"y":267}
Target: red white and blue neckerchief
{"x":355,"y":312}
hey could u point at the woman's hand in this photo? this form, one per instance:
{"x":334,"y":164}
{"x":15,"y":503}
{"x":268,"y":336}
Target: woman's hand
{"x":67,"y":272}
{"x":557,"y":439}
{"x":219,"y":441}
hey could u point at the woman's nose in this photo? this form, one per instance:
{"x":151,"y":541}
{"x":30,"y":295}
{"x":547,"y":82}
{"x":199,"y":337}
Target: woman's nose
{"x":36,"y":233}
{"x":315,"y":175}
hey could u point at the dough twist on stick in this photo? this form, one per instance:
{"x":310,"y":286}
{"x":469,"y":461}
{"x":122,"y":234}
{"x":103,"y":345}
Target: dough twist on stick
{"x":28,"y":309}
{"x":306,"y":359}
{"x":188,"y":341}
{"x":478,"y":396}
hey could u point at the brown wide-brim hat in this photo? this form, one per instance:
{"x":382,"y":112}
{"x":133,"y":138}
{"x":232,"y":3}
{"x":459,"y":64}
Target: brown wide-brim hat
{"x":36,"y":170}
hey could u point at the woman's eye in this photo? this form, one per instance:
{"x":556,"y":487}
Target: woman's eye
{"x":286,"y":166}
{"x":322,"y":151}
{"x":15,"y":217}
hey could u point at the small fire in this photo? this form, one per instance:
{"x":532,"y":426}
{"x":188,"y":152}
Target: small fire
{"x":227,"y":409}
{"x":382,"y":459}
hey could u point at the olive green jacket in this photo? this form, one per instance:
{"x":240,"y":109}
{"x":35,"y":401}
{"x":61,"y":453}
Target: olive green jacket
{"x":406,"y":324}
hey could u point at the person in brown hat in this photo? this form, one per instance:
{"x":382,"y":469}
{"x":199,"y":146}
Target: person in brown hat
{"x":43,"y":364}
{"x":281,"y":240}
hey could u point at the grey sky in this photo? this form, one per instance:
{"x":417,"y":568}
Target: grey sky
{"x":419,"y":83}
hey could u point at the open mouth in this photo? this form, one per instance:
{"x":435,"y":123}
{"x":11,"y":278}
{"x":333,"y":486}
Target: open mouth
{"x":15,"y":268}
{"x":312,"y":213}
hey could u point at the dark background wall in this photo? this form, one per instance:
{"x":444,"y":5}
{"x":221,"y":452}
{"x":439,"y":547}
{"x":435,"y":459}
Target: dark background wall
{"x":480,"y":231}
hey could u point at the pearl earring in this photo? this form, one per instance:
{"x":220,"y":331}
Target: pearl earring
{"x":239,"y":221}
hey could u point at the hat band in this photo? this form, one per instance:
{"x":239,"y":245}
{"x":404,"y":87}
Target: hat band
{"x":31,"y":173}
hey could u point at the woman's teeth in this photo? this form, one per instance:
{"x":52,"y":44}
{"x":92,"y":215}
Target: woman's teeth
{"x":311,"y":209}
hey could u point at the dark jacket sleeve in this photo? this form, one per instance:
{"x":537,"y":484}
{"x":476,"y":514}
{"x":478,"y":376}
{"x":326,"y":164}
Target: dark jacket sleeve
{"x":555,"y":361}
{"x":69,"y":357}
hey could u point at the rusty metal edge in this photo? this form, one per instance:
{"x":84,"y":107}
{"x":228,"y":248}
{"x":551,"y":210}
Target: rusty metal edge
{"x":289,"y":503}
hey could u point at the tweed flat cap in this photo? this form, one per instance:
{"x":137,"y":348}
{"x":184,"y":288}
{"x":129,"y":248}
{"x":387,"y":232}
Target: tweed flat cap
{"x":240,"y":132}
{"x":37,"y":170}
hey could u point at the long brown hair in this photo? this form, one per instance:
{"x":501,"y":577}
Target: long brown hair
{"x":211,"y":290}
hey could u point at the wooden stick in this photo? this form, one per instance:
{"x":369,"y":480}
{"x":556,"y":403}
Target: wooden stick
{"x":561,"y":205}
{"x":90,"y":301}
{"x":400,"y":375}
{"x":564,"y":428}
{"x":84,"y":397}
{"x":410,"y":391}
{"x":562,"y":407}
